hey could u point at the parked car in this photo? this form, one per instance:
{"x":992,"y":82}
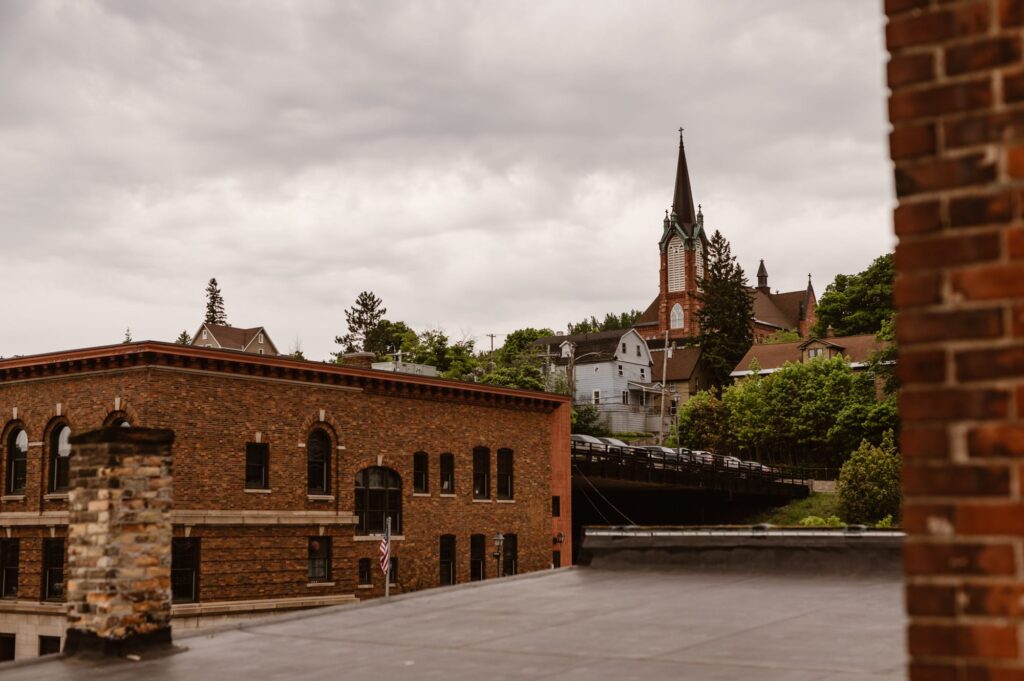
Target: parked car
{"x":617,"y":446}
{"x":732,"y":462}
{"x":585,"y":439}
{"x":703,"y":457}
{"x":660,"y":455}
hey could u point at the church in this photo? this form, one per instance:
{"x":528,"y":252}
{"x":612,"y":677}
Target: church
{"x":683,"y":248}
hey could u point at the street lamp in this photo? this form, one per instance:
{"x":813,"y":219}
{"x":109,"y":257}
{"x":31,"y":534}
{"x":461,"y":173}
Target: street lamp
{"x":499,"y":543}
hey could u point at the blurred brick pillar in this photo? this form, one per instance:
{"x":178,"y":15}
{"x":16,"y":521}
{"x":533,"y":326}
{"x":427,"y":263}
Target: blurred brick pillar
{"x":957,"y":111}
{"x":119,"y":541}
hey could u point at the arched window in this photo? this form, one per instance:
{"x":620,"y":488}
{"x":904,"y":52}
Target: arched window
{"x":17,"y":461}
{"x":447,"y":473}
{"x":506,"y":478}
{"x":318,"y":462}
{"x":378,"y":496}
{"x":676,"y":265}
{"x":676,"y":319}
{"x":60,"y":452}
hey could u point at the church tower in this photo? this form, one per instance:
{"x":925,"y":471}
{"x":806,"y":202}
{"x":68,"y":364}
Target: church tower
{"x":684,"y":248}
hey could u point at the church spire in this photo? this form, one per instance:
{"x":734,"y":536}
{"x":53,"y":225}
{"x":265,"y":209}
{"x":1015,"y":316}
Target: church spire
{"x":762,"y":277}
{"x":682,"y":199}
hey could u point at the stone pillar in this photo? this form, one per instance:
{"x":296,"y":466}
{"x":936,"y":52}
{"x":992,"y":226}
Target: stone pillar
{"x":957,"y":143}
{"x":119,"y":541}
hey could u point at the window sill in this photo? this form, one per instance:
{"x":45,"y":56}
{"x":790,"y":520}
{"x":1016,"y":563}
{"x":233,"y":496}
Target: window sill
{"x":320,"y":497}
{"x":316,"y":584}
{"x":364,"y":586}
{"x":56,"y":496}
{"x":12,"y":497}
{"x":421,"y":494}
{"x":449,"y":496}
{"x":482,"y":501}
{"x":377,"y":537}
{"x":257,"y":491}
{"x":506,"y":501}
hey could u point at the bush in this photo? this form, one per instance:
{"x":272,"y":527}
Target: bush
{"x":885,"y":523}
{"x":869,"y":483}
{"x":586,"y":420}
{"x":818,"y":521}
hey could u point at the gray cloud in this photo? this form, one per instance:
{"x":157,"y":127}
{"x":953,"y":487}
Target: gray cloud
{"x":482,"y":166}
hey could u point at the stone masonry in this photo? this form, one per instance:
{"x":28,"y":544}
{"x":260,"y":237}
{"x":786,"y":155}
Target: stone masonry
{"x":119,"y":548}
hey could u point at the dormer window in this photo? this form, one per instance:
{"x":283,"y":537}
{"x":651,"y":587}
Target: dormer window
{"x":815,"y":352}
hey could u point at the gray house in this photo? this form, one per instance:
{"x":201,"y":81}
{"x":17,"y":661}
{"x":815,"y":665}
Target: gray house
{"x":610,"y":370}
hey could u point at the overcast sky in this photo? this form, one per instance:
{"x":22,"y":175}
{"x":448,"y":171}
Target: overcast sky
{"x":481,"y":166}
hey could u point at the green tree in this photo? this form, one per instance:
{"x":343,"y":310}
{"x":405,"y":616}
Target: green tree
{"x":362,"y":317}
{"x":883,"y":362}
{"x":857,"y":303}
{"x":524,"y":377}
{"x":127,"y":336}
{"x":215,"y":304}
{"x":586,"y":420}
{"x":869,"y":482}
{"x":385,"y":338}
{"x":701,"y":422}
{"x":726,"y":312}
{"x":611,"y":322}
{"x":781,"y":336}
{"x":183,"y":338}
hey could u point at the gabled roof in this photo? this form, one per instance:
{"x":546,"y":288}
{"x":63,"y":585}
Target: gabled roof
{"x":771,"y":356}
{"x":679,"y":367}
{"x":235,"y":338}
{"x":783,"y":310}
{"x":650,"y":315}
{"x":599,"y":347}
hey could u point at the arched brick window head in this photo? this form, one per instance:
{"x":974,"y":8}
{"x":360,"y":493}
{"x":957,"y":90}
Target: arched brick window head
{"x":17,"y":461}
{"x":60,"y":452}
{"x":318,"y":459}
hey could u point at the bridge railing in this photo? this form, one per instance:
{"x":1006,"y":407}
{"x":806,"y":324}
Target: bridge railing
{"x":611,"y":458}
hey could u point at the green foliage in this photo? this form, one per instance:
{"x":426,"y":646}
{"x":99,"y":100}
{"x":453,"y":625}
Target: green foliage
{"x":362,"y":317}
{"x":518,"y":363}
{"x":818,"y":521}
{"x":385,"y":338}
{"x":885,"y":523}
{"x":869,"y":482}
{"x":781,"y":336}
{"x":883,"y":362}
{"x":183,"y":338}
{"x":586,"y":420}
{"x":701,"y":421}
{"x":215,"y":304}
{"x":611,"y":322}
{"x":857,"y":303}
{"x":821,"y":504}
{"x":725,"y":315}
{"x":127,"y":336}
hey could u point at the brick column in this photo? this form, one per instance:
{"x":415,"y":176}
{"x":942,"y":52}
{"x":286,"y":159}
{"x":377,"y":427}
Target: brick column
{"x":119,"y":541}
{"x":957,"y":111}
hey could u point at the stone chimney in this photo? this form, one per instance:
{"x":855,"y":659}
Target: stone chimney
{"x":119,"y":542}
{"x":359,"y":360}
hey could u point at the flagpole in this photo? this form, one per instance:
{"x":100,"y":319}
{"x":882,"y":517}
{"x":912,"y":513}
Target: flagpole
{"x":387,"y":575}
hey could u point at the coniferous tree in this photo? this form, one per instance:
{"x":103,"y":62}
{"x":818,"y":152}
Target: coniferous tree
{"x":215,"y":304}
{"x":362,"y":318}
{"x":127,"y":335}
{"x":725,"y":318}
{"x":183,"y":338}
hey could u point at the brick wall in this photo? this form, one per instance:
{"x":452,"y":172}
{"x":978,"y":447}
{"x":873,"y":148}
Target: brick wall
{"x":957,"y":111}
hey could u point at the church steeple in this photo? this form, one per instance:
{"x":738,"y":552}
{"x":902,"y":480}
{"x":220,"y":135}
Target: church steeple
{"x":762,"y":278}
{"x":682,"y":199}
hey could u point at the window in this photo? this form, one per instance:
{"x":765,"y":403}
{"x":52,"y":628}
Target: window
{"x":623,"y":349}
{"x":620,"y":370}
{"x":393,"y":577}
{"x":597,"y":397}
{"x":643,"y":373}
{"x":318,"y":460}
{"x":53,"y":569}
{"x":510,"y":559}
{"x":556,"y":559}
{"x":638,"y":351}
{"x":556,"y":507}
{"x":420,"y":473}
{"x":365,"y":572}
{"x":506,"y":474}
{"x":815,"y":352}
{"x":481,"y":473}
{"x":49,"y":645}
{"x":447,"y":552}
{"x":261,"y":351}
{"x":700,"y":262}
{"x":6,"y":647}
{"x":676,"y":265}
{"x":676,"y":318}
{"x":17,"y":460}
{"x":259,"y":339}
{"x":60,"y":451}
{"x":625,"y":397}
{"x":447,"y":474}
{"x":477,"y":557}
{"x":643,"y":399}
{"x":319,"y":553}
{"x":9,"y":557}
{"x":378,"y":496}
{"x":674,"y":408}
{"x":185,"y":570}
{"x":206,"y":335}
{"x":257,"y":465}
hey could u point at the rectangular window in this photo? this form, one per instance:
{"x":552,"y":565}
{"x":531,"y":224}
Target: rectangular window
{"x":260,"y":339}
{"x":597,"y":397}
{"x":49,"y":645}
{"x":620,"y":370}
{"x":319,"y":552}
{"x":261,"y":351}
{"x":420,"y":473}
{"x":257,"y":465}
{"x":447,"y":552}
{"x":643,"y":374}
{"x":185,"y":570}
{"x":556,"y":559}
{"x":506,"y":474}
{"x":365,"y":572}
{"x":481,"y":473}
{"x":447,"y":474}
{"x":206,"y":335}
{"x":638,"y":351}
{"x":623,"y":349}
{"x":53,"y":569}
{"x":510,"y":559}
{"x":393,"y":579}
{"x":625,"y":397}
{"x":477,"y":557}
{"x":556,"y":507}
{"x":6,"y":647}
{"x":815,"y":352}
{"x":9,"y":557}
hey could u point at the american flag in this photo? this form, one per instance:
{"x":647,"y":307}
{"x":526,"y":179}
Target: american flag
{"x":385,"y":549}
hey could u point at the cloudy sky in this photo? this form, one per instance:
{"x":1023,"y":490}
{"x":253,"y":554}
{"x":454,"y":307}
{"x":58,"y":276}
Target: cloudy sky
{"x":481,"y":166}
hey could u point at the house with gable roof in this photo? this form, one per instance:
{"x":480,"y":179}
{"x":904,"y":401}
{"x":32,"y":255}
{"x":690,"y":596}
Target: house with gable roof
{"x":223,"y":337}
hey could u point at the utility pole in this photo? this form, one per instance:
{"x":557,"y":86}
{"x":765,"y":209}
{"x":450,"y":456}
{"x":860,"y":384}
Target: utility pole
{"x":491,"y":336}
{"x":664,"y":371}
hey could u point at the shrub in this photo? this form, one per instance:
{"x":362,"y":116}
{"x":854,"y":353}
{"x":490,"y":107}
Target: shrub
{"x":818,"y":521}
{"x":869,"y":483}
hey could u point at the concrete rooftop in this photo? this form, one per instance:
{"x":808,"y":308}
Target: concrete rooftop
{"x":593,"y":623}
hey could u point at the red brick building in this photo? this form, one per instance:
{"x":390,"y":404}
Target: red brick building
{"x":284,"y":472}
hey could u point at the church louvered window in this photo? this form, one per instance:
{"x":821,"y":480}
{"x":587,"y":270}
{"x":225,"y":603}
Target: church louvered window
{"x":699,"y":258}
{"x":676,"y":265}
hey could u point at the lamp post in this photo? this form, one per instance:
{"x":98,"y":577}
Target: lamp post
{"x":499,"y":544}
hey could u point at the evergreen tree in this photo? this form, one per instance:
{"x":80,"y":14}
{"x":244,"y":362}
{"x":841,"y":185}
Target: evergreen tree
{"x":362,"y":318}
{"x":183,"y":338}
{"x":725,"y":318}
{"x":215,"y":304}
{"x":127,"y":335}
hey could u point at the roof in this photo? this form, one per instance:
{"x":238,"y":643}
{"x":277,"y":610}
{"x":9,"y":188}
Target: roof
{"x":682,"y":197}
{"x":650,"y":315}
{"x":599,"y":347}
{"x":784,"y":310}
{"x":679,"y":367}
{"x":233,"y":337}
{"x":771,"y":356}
